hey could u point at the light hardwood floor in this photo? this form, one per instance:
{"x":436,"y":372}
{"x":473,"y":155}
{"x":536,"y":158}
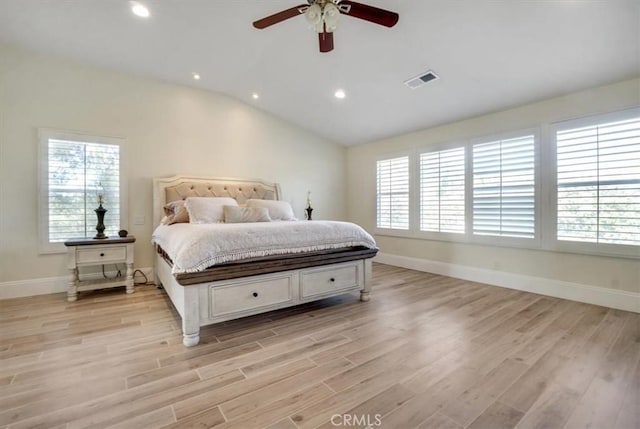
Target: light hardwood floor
{"x":426,"y":352}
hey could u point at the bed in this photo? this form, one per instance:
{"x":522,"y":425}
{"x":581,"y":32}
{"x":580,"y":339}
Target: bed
{"x":208,"y":290}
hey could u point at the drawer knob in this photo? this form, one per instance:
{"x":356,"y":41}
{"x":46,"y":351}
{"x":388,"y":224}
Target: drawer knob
{"x":102,"y":254}
{"x":332,"y":280}
{"x":255,"y":294}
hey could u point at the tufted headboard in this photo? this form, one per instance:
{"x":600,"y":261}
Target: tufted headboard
{"x":167,"y":189}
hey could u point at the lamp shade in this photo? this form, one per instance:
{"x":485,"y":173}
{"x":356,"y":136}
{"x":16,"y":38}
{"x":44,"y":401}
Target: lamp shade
{"x":330,"y":17}
{"x":313,"y":15}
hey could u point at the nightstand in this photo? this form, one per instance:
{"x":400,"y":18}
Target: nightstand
{"x":86,"y":252}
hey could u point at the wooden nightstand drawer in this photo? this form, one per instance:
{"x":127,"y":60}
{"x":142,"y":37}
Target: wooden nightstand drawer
{"x":102,"y":255}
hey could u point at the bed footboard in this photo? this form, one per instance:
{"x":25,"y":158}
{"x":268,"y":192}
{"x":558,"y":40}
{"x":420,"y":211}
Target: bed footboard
{"x":217,"y":301}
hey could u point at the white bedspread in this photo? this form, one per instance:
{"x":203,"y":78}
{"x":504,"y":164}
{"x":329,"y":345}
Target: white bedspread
{"x":195,"y":247}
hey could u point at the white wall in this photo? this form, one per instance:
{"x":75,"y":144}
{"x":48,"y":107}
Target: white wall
{"x":169,"y":129}
{"x":604,"y":272}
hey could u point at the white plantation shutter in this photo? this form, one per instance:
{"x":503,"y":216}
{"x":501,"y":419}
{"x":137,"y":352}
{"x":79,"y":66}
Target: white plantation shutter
{"x":442,"y":194}
{"x":77,"y":172}
{"x":598,"y":183}
{"x":393,"y":193}
{"x":504,"y":187}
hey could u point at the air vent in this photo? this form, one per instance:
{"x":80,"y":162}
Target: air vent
{"x":421,"y":80}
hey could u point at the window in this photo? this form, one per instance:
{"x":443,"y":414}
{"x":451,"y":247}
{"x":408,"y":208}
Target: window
{"x":74,"y":170}
{"x":393,"y":193}
{"x":442,"y":192}
{"x":598,"y":181}
{"x":504,"y":187}
{"x":575,"y":188}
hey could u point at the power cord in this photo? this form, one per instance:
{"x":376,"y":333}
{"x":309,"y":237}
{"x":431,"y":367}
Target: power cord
{"x":135,"y":272}
{"x":118,"y":273}
{"x":146,"y":279}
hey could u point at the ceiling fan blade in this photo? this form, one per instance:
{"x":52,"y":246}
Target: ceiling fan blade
{"x":326,"y":41}
{"x":280,"y":16}
{"x":369,"y":13}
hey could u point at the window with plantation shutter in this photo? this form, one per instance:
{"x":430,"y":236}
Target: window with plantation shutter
{"x":393,"y":193}
{"x":504,"y":187}
{"x":75,"y":170}
{"x":598,"y":182}
{"x":442,"y":193}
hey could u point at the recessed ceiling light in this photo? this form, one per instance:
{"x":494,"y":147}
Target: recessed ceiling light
{"x":255,"y":95}
{"x":139,"y":9}
{"x":196,"y":76}
{"x":340,"y":94}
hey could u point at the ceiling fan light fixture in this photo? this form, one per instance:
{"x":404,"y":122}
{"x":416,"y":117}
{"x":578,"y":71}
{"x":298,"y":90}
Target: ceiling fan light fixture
{"x":313,"y":15}
{"x":330,"y":16}
{"x":323,"y":15}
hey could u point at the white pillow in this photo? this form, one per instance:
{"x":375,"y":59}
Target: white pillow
{"x":233,"y":214}
{"x":207,"y":209}
{"x":278,"y":210}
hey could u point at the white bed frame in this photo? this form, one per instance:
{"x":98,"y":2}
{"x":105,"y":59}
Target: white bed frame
{"x":217,"y":301}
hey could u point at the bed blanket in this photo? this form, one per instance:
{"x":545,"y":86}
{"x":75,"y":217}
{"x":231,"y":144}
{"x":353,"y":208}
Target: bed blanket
{"x":195,"y":247}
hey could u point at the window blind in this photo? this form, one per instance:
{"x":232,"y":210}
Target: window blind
{"x":598,"y":183}
{"x":442,"y":178}
{"x":77,"y":172}
{"x":504,"y":187}
{"x":393,"y":193}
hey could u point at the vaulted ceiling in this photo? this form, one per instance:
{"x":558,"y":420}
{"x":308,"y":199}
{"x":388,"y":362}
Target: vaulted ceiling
{"x":489,"y":54}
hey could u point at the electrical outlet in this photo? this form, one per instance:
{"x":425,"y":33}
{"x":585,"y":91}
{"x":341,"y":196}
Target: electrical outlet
{"x":138,"y":220}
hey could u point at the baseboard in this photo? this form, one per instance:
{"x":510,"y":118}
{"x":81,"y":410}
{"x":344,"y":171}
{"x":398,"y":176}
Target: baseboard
{"x":47,"y":285}
{"x":613,"y":298}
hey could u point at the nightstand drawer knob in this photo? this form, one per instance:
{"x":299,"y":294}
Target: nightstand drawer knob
{"x":332,"y":280}
{"x":255,"y":294}
{"x":102,"y":254}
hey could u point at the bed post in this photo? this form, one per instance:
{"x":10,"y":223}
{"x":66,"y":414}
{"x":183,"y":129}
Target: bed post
{"x":368,"y":273}
{"x":191,"y":317}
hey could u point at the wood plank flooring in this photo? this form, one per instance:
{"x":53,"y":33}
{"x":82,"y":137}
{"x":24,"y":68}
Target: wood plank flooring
{"x":426,"y":352}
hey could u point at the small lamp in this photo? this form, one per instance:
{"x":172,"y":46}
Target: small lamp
{"x":309,"y":209}
{"x":100,"y":212}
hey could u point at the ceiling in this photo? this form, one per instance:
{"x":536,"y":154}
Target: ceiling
{"x":490,"y":54}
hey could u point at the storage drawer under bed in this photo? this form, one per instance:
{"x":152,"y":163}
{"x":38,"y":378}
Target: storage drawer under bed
{"x":329,"y":280}
{"x":249,"y":295}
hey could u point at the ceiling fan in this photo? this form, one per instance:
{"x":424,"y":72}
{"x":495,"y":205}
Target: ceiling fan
{"x":323,"y":15}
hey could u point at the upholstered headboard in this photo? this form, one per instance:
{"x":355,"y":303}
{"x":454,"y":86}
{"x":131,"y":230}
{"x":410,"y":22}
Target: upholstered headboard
{"x":167,"y":189}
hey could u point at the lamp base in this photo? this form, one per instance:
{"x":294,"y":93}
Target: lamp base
{"x":100,"y":211}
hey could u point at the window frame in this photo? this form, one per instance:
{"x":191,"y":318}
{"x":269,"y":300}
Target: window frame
{"x":552,"y":242}
{"x":440,"y":235}
{"x":392,"y":231}
{"x":545,"y":188}
{"x":46,"y":134}
{"x":497,"y":240}
{"x":468,"y":237}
